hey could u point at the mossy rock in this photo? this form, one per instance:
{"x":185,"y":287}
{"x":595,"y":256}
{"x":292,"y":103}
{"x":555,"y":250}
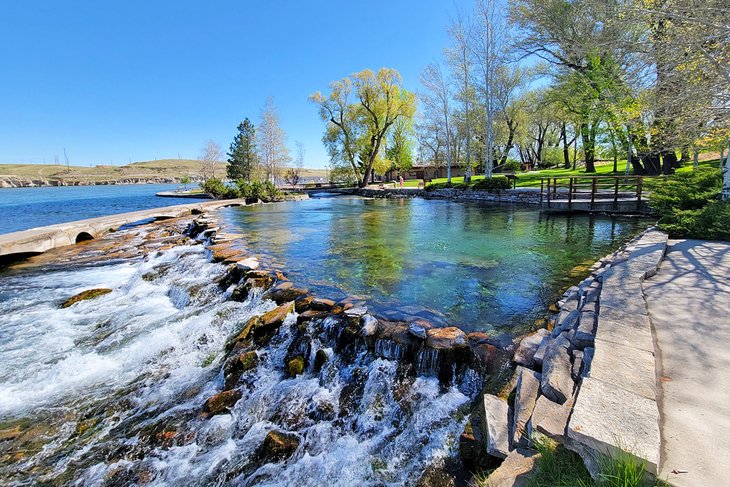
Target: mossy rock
{"x":295,"y":366}
{"x":85,"y":295}
{"x":320,"y":358}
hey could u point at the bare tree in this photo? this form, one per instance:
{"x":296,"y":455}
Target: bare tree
{"x":273,"y":153}
{"x":459,"y":58}
{"x":210,"y":155}
{"x":436,"y":99}
{"x":488,"y":46}
{"x":293,"y":173}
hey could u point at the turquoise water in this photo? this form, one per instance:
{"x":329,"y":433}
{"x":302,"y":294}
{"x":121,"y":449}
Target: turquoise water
{"x":23,"y":208}
{"x":487,"y":268}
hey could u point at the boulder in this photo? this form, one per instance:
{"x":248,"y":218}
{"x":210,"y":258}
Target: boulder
{"x":248,"y":264}
{"x":540,"y":353}
{"x":295,"y":366}
{"x":446,"y":338}
{"x":369,"y":325}
{"x":277,"y":446}
{"x":585,"y":334}
{"x":577,"y":365}
{"x":525,"y":354}
{"x":237,"y":364}
{"x":85,"y":295}
{"x":527,"y":392}
{"x":557,"y":382}
{"x":496,"y":425}
{"x":487,"y":359}
{"x":221,"y":403}
{"x":550,"y":418}
{"x":321,"y":304}
{"x":356,"y":312}
{"x":567,"y":320}
{"x":284,"y":292}
{"x":588,"y":354}
{"x":419,"y":328}
{"x":320,"y":358}
{"x":516,"y":470}
{"x":310,"y":314}
{"x":272,"y":320}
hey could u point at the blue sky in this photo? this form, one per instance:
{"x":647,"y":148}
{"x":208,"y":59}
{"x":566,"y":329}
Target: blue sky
{"x":117,"y":80}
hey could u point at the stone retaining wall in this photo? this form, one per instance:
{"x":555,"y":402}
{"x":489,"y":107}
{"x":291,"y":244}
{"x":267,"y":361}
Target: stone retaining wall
{"x":530,"y":196}
{"x":590,"y":383}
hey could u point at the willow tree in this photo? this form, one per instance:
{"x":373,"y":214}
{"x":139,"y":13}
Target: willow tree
{"x":360,"y":111}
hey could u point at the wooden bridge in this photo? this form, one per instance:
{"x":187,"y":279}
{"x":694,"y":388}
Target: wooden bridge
{"x":596,"y":194}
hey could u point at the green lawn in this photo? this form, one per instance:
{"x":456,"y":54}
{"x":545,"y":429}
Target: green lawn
{"x":532,"y":178}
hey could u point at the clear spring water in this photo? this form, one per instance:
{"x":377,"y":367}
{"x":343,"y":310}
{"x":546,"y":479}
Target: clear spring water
{"x":480,"y":267}
{"x":109,"y":391}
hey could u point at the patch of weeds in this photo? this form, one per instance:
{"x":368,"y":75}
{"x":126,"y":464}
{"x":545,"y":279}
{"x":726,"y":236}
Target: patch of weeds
{"x":623,"y":470}
{"x":558,"y":467}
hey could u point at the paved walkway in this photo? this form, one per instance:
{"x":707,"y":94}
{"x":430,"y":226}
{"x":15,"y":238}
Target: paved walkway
{"x":689,"y":305}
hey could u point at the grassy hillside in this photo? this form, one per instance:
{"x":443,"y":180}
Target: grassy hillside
{"x":170,"y":168}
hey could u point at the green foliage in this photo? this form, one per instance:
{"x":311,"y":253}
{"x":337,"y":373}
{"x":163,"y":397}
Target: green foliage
{"x":263,"y":190}
{"x":558,"y":467}
{"x":511,"y":165}
{"x":689,"y":207}
{"x":242,"y":152}
{"x":218,"y":189}
{"x":492,"y":184}
{"x":484,"y":184}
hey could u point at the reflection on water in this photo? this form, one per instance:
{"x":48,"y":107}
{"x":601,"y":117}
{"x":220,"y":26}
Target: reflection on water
{"x":492,"y":268}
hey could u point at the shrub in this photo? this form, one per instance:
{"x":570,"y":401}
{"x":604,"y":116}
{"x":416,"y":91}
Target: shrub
{"x":689,"y":207}
{"x":217,"y":189}
{"x":461,"y":186}
{"x":435,"y":186}
{"x":512,"y":165}
{"x":491,"y":184}
{"x":264,"y":190}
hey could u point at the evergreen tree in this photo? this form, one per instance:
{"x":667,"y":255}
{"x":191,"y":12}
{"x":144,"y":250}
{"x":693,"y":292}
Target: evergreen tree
{"x":242,"y":153}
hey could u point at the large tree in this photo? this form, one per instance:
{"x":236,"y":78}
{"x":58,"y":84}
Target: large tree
{"x":359,"y":112}
{"x":242,"y":155}
{"x":273,"y":152}
{"x":436,"y":99}
{"x":209,"y":158}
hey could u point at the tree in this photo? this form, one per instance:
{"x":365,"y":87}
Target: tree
{"x":293,"y":172}
{"x":273,"y":153}
{"x":356,"y":130}
{"x":489,"y":46}
{"x":400,"y":145}
{"x":459,"y":58}
{"x":436,"y":98}
{"x":242,"y":155}
{"x":209,"y":157}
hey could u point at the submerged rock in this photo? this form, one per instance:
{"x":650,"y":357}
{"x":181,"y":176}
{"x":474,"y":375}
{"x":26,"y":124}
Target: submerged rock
{"x":320,"y":358}
{"x":277,"y":446}
{"x":285,"y":292}
{"x":221,"y":403}
{"x":85,"y":295}
{"x":236,"y":365}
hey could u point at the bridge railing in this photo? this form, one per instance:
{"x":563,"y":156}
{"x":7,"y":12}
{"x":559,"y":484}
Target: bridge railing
{"x":591,"y":190}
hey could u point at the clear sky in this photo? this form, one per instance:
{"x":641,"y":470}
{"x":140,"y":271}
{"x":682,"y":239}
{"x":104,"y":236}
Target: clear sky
{"x":113,"y":81}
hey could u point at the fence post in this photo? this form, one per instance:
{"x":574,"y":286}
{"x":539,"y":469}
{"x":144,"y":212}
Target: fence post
{"x":570,"y":194}
{"x":639,"y":185}
{"x":615,"y":194}
{"x":593,"y":192}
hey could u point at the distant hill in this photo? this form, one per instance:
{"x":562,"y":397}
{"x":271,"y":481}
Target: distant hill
{"x":162,"y":170}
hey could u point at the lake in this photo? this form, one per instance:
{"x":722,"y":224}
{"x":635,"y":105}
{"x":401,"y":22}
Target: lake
{"x":24,"y":208}
{"x":477,"y":266}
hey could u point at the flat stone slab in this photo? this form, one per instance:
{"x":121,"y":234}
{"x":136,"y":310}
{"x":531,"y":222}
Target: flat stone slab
{"x":496,"y":411}
{"x":618,"y":326}
{"x":607,"y":419}
{"x":626,"y":367}
{"x":515,"y":471}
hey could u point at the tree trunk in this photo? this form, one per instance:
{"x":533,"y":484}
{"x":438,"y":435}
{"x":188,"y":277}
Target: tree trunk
{"x":588,"y":147}
{"x":566,"y":151}
{"x":652,"y":164}
{"x":669,"y":161}
{"x":726,"y":178}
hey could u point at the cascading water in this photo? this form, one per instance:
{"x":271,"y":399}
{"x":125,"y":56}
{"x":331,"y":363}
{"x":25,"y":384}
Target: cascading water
{"x":109,"y":391}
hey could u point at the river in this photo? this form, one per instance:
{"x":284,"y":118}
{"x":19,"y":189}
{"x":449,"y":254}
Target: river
{"x":24,"y":208}
{"x":111,"y":391}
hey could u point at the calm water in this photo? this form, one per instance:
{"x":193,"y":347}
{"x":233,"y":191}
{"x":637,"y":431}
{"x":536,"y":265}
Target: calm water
{"x":23,"y":208}
{"x":490,"y":268}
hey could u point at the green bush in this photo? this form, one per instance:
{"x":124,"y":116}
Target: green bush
{"x":512,"y":165}
{"x":491,"y":184}
{"x":218,"y":189}
{"x":461,"y":185}
{"x":264,"y":190}
{"x":689,"y":207}
{"x":435,"y":186}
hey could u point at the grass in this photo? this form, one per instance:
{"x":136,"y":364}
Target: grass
{"x":559,"y":467}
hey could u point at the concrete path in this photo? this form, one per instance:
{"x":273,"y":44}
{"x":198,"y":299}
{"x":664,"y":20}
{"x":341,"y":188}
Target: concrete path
{"x":689,"y":306}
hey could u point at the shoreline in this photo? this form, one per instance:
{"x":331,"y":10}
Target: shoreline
{"x":12,"y":182}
